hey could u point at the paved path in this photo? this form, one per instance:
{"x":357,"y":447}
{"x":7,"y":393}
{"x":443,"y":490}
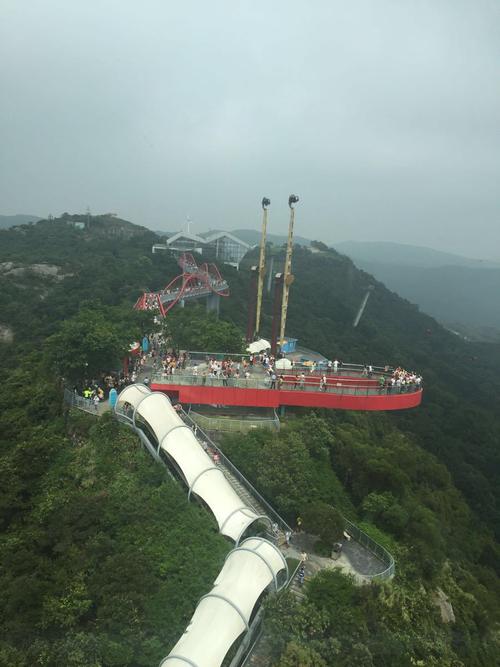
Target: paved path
{"x":355,"y":559}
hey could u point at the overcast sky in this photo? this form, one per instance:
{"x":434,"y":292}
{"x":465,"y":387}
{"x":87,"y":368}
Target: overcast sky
{"x":382,"y":115}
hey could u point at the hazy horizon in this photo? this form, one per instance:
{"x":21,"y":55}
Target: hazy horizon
{"x":257,"y":229}
{"x":382,"y":117}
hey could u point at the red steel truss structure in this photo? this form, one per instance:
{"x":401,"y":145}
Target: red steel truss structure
{"x":195,"y":282}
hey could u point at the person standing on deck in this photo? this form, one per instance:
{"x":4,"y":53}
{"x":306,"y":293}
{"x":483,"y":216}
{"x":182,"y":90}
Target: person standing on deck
{"x":302,"y":380}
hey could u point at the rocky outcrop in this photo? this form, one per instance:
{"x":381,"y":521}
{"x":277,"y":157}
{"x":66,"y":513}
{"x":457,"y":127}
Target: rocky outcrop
{"x":6,"y":334}
{"x":443,"y":603}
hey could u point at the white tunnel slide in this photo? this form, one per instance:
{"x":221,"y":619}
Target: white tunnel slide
{"x":223,"y":614}
{"x":202,"y":476}
{"x":250,"y":568}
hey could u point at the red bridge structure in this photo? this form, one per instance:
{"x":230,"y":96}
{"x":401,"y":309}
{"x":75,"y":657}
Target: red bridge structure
{"x":195,"y":282}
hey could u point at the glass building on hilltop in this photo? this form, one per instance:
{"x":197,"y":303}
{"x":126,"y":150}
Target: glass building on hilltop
{"x":215,"y":246}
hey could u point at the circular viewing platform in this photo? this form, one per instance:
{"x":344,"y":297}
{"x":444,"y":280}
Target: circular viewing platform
{"x":350,"y":388}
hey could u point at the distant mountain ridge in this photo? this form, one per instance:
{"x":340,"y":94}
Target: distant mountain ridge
{"x":252,"y":237}
{"x":7,"y":221}
{"x":402,"y":254}
{"x":459,"y":292}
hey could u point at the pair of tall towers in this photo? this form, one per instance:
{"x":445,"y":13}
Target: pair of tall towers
{"x":282,"y":281}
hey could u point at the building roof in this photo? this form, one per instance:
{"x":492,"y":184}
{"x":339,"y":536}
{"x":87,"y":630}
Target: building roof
{"x":214,"y":235}
{"x":185,"y":235}
{"x":206,"y":237}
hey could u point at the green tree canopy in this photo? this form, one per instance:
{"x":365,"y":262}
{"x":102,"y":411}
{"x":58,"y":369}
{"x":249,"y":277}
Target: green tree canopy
{"x":90,"y":342}
{"x":325,"y":521}
{"x":192,"y":328}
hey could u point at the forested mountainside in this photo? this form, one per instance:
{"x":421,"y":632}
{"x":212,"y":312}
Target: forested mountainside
{"x":102,"y":560}
{"x":460,"y":293}
{"x":459,"y":420}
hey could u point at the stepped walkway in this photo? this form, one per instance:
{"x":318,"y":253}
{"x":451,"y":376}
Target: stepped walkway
{"x":240,"y":484}
{"x":360,"y":560}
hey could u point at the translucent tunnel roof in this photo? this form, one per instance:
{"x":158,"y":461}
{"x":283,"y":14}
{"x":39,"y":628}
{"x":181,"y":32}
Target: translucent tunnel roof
{"x":202,"y":476}
{"x":223,"y":614}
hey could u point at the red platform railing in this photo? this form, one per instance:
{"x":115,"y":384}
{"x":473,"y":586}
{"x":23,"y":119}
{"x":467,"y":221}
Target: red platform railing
{"x":346,"y":393}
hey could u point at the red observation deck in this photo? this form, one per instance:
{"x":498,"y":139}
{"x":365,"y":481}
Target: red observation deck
{"x":341,"y":392}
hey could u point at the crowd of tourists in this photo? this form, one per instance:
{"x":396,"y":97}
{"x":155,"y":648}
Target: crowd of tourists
{"x":153,"y":355}
{"x":151,"y":301}
{"x":170,"y":362}
{"x":96,"y":391}
{"x":402,"y":381}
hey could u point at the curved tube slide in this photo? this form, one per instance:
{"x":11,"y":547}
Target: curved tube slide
{"x":226,"y":612}
{"x":223,"y":614}
{"x":201,"y":474}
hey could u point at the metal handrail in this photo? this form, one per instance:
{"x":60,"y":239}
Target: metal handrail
{"x":77,"y":401}
{"x":343,"y":389}
{"x":189,"y":422}
{"x":293,"y":575}
{"x":239,"y":476}
{"x":190,"y":292}
{"x":121,"y":414}
{"x":231,"y":425}
{"x":375,"y":548}
{"x":219,"y":356}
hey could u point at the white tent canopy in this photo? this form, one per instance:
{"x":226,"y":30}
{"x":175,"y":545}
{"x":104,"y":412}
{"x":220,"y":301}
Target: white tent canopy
{"x":223,"y":614}
{"x":259,"y":346}
{"x":283,"y":364}
{"x":200,"y":473}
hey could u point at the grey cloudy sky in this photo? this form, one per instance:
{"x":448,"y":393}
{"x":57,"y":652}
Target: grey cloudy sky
{"x":383,"y":115}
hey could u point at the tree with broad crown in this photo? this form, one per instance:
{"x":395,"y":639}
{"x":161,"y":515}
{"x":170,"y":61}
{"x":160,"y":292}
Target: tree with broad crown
{"x":89,"y":343}
{"x":325,"y":521}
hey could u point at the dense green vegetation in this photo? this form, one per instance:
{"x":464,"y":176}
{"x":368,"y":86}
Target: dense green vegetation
{"x":102,"y":559}
{"x":457,"y":291}
{"x":94,"y":340}
{"x":459,"y":420}
{"x":405,"y":499}
{"x":395,"y":626}
{"x":194,"y":329}
{"x":97,"y":549}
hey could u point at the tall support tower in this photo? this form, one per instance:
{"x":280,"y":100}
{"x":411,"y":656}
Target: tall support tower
{"x":262,"y":262}
{"x":251,"y":304}
{"x":287,"y":274}
{"x":278,"y":299}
